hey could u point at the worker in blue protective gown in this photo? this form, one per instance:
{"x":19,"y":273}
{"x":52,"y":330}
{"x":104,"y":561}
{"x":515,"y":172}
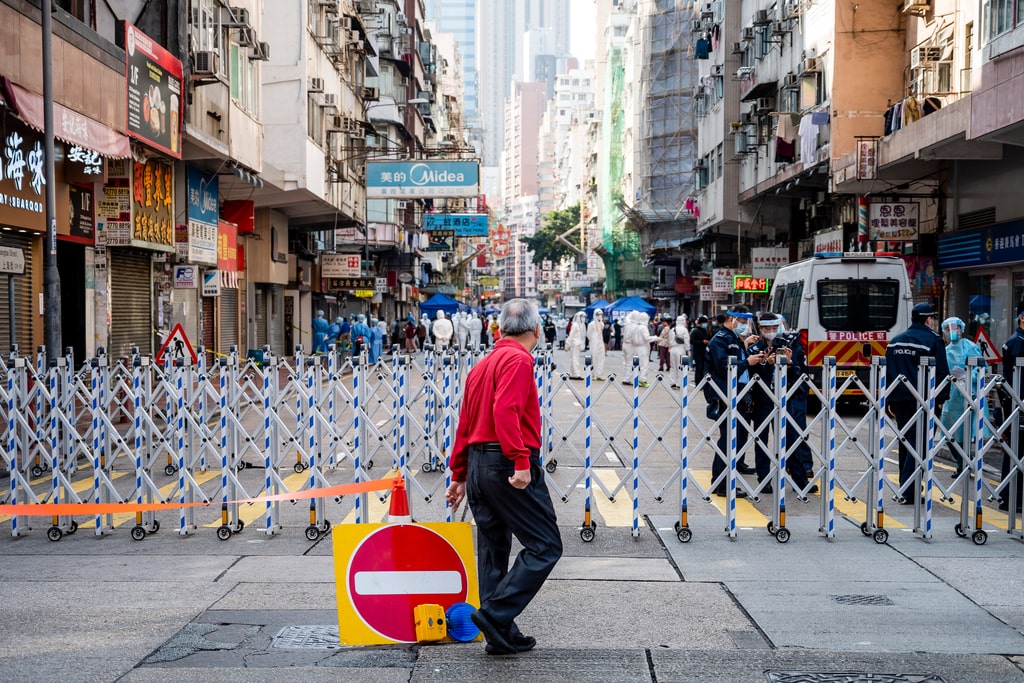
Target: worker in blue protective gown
{"x":320,"y":332}
{"x":958,"y":350}
{"x":376,"y":342}
{"x":360,"y":336}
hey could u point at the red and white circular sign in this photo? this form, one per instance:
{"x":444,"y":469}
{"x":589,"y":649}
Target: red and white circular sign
{"x":398,"y":567}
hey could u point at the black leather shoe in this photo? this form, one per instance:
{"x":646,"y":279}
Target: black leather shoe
{"x":746,"y":469}
{"x":520,"y":642}
{"x":496,"y":637}
{"x":768,"y":489}
{"x":740,"y":493}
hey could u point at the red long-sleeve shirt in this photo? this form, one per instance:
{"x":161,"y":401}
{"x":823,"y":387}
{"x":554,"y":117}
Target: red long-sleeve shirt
{"x":499,"y":405}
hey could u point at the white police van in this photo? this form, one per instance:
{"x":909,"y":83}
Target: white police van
{"x":848,"y":305}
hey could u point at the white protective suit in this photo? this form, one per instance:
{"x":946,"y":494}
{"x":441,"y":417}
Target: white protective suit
{"x":443,"y":331}
{"x":560,"y":333}
{"x":636,"y":341}
{"x":575,"y":342}
{"x":475,"y":327}
{"x":595,"y":335}
{"x":426,"y":325}
{"x":461,"y":329}
{"x":678,"y":347}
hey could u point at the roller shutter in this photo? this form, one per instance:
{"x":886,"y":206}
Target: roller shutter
{"x":228,"y":321}
{"x":131,"y":302}
{"x":276,"y":322}
{"x":24,"y":302}
{"x":209,"y":335}
{"x":260,"y":316}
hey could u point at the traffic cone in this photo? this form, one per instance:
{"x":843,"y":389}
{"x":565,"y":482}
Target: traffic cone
{"x":398,"y":513}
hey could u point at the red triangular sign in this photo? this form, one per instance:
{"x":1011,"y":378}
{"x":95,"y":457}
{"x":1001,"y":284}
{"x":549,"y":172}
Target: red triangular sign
{"x":988,"y":350}
{"x":176,"y":346}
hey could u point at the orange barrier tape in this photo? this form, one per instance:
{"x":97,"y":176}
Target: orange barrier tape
{"x":88,"y":509}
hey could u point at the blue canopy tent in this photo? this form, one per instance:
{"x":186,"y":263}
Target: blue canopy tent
{"x":600,"y":303}
{"x":622,"y":307}
{"x":441,"y":302}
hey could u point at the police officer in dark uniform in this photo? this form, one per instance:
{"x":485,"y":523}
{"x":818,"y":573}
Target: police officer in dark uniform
{"x":699,"y":339}
{"x":729,"y":341}
{"x":1012,"y":350}
{"x":775,"y":341}
{"x":902,"y":358}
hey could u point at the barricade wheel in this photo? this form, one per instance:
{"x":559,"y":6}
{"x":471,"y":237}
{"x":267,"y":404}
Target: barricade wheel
{"x":169,"y":470}
{"x":138,"y":533}
{"x":864,"y":529}
{"x":427,"y":467}
{"x":587,"y":534}
{"x":551,"y":465}
{"x":299,"y":468}
{"x":782,"y":535}
{"x":238,"y":527}
{"x":979,"y":537}
{"x":72,"y":527}
{"x":881,"y":536}
{"x":37,"y":471}
{"x":224,"y":532}
{"x":771,"y":528}
{"x":326,"y":525}
{"x":368,"y":466}
{"x":960,"y":530}
{"x":156,"y":526}
{"x":312,"y":533}
{"x":54,"y":533}
{"x":684,"y":534}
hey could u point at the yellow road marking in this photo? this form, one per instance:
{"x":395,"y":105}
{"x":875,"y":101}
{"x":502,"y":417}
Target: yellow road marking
{"x":250,"y":513}
{"x":858,"y":511}
{"x":746,"y":514}
{"x":620,"y":512}
{"x":200,"y":477}
{"x":77,"y":487}
{"x":375,"y":510}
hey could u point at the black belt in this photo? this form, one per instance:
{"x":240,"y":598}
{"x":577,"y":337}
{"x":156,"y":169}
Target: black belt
{"x":492,"y":446}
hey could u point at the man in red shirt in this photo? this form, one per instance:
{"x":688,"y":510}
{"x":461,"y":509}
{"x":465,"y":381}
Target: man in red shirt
{"x":495,"y":464}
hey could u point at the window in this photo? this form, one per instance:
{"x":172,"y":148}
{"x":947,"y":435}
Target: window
{"x":998,"y":17}
{"x":858,"y":305}
{"x":787,"y":303}
{"x":204,"y":29}
{"x":245,"y":80}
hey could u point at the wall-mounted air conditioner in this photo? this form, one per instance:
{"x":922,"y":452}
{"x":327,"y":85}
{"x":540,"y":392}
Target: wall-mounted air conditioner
{"x":371,"y":94}
{"x":917,"y":7}
{"x":761,"y":17}
{"x":811,"y":65}
{"x":329,"y":6}
{"x":790,"y":81}
{"x":205,"y":63}
{"x":329,"y":100}
{"x":748,"y":33}
{"x":316,"y":85}
{"x":765,"y":104}
{"x":335,"y":123}
{"x":925,"y":55}
{"x":737,"y":48}
{"x":716,"y":69}
{"x":778,"y":28}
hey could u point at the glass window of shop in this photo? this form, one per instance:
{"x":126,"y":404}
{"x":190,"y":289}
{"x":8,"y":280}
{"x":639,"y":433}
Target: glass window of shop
{"x":992,"y":303}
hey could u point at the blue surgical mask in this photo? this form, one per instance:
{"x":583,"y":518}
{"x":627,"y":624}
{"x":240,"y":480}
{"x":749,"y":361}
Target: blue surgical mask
{"x":954,"y":336}
{"x":742,"y":329}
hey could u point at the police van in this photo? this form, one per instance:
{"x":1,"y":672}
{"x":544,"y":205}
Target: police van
{"x":848,"y":305}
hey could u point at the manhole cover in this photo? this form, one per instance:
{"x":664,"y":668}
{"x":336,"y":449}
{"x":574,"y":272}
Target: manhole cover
{"x":848,"y":677}
{"x":869,"y":600}
{"x":307,"y":638}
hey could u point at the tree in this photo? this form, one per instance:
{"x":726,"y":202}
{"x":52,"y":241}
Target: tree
{"x":543,"y":243}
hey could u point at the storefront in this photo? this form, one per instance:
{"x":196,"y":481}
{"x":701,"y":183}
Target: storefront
{"x":984,"y":273}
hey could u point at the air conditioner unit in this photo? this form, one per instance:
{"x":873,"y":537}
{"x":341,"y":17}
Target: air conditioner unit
{"x":400,"y":19}
{"x":737,"y":48}
{"x":316,"y":85}
{"x":234,"y":17}
{"x":741,"y":142}
{"x":404,"y":82}
{"x":925,"y":55}
{"x":353,"y":37}
{"x":716,"y":69}
{"x":205,"y":63}
{"x":778,"y":27}
{"x":697,"y":27}
{"x":400,"y":204}
{"x":335,"y":123}
{"x":329,"y":6}
{"x":811,"y":65}
{"x":748,"y":33}
{"x":792,"y":9}
{"x":790,"y":81}
{"x":744,"y":72}
{"x":917,"y":7}
{"x":765,"y":104}
{"x":371,"y":94}
{"x":700,"y":165}
{"x":351,"y":125}
{"x":247,"y":36}
{"x":761,"y":17}
{"x":746,"y":118}
{"x":329,"y":100}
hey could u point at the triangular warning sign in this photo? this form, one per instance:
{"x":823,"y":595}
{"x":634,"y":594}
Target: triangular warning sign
{"x":989,"y":350}
{"x":176,"y":346}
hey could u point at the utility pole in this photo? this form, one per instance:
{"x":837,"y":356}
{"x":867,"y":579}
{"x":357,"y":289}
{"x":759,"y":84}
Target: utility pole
{"x":51,"y":278}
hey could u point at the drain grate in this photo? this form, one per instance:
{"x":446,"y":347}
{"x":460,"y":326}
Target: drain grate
{"x":848,"y":677}
{"x":307,"y":638}
{"x":867,"y":600}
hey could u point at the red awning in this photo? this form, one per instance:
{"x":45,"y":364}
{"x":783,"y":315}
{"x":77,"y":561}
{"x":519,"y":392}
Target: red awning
{"x":69,"y":125}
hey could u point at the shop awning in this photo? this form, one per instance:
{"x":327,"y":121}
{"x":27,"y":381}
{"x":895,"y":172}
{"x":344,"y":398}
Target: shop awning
{"x":247,"y":176}
{"x":69,"y":126}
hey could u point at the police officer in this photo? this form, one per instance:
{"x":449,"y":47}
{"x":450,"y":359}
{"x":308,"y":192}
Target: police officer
{"x":731,"y":340}
{"x":902,"y":358}
{"x":774,"y":342}
{"x":699,"y":339}
{"x":1012,"y":350}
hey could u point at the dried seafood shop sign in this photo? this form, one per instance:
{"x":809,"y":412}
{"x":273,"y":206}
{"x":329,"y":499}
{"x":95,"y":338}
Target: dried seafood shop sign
{"x":154,"y":92}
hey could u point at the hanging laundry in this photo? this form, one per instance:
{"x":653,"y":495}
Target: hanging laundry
{"x":911,"y":110}
{"x":702,"y":49}
{"x":819,"y":118}
{"x":785,"y":140}
{"x":716,"y":35}
{"x":808,"y":141}
{"x":930,"y":105}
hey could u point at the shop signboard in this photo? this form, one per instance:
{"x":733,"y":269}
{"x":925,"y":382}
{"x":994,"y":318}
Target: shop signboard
{"x":201,"y":236}
{"x":766,"y":261}
{"x":412,"y":179}
{"x":154,"y":92}
{"x":462,"y":224}
{"x":341,"y":265}
{"x":893,"y":221}
{"x":722,"y":280}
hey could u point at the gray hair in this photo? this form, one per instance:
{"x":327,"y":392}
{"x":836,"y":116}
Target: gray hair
{"x":518,"y":316}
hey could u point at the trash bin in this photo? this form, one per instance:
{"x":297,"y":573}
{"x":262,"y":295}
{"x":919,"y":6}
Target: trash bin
{"x":256,"y":356}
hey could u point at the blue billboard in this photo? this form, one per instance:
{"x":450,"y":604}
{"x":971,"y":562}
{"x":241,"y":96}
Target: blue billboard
{"x":462,"y":224}
{"x":416,"y":179}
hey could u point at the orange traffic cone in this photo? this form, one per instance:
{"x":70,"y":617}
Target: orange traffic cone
{"x":398,"y":513}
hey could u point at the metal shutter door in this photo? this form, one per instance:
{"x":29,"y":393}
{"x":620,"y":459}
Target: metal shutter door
{"x":24,"y":303}
{"x":276,"y":320}
{"x":228,"y":320}
{"x":131,"y":303}
{"x":209,"y":330}
{"x":260,"y":316}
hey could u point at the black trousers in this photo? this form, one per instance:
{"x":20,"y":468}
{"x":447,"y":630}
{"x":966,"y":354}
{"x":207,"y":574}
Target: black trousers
{"x":502,"y":511}
{"x":903,"y":412}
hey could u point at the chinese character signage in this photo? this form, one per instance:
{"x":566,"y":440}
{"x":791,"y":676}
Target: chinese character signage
{"x":766,"y":261}
{"x":22,"y":177}
{"x":747,"y":284}
{"x":353,"y":283}
{"x":227,"y":247}
{"x":708,"y":293}
{"x":152,"y":222}
{"x":114,"y":209}
{"x":866,"y":161}
{"x":412,"y":179}
{"x":893,"y":221}
{"x":341,"y":266}
{"x":201,"y":237}
{"x":154,"y":92}
{"x":722,"y":280}
{"x":829,"y":242}
{"x":441,"y":240}
{"x":12,"y":261}
{"x":211,"y":283}
{"x":463,"y":224}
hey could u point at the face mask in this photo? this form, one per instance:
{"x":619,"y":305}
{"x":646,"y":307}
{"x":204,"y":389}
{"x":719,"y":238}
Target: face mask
{"x":768,"y":336}
{"x":704,"y":325}
{"x":742,"y":329}
{"x":954,"y":336}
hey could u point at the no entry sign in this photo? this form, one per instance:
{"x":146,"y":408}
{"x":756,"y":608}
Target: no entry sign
{"x":385,"y":571}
